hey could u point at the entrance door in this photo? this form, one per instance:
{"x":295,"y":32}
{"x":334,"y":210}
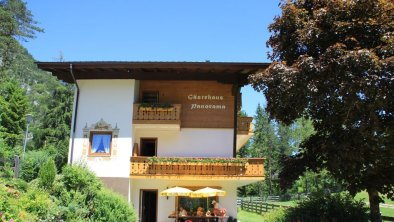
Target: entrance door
{"x":148,"y":146}
{"x":148,"y":205}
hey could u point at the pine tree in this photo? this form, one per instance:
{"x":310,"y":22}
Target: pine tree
{"x":14,"y":106}
{"x":16,"y":22}
{"x":54,"y":130}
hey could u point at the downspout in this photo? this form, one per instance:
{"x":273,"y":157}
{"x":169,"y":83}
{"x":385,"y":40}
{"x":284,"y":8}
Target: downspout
{"x":236,"y":88}
{"x":75,"y":114}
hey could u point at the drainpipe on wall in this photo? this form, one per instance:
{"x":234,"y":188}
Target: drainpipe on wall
{"x":75,"y":114}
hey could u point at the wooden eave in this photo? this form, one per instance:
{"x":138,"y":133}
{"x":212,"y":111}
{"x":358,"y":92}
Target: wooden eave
{"x":226,"y":72}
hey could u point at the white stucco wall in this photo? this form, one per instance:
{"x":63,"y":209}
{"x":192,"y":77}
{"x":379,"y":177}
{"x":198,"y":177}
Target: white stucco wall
{"x":112,"y":101}
{"x":190,"y":142}
{"x":166,"y":206}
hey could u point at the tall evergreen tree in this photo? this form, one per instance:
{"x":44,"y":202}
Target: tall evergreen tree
{"x":264,"y":144}
{"x":14,"y":107}
{"x":53,"y":131}
{"x":16,"y":22}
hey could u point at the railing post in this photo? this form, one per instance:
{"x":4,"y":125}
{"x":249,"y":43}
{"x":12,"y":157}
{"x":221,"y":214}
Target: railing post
{"x":16,"y":167}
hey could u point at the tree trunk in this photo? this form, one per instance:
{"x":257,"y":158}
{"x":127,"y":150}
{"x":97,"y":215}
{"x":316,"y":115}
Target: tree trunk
{"x":374,"y":205}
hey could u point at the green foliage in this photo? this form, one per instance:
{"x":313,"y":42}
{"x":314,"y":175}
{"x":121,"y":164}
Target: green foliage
{"x":5,"y":165}
{"x":21,"y":23}
{"x":245,"y":216}
{"x":79,"y":178}
{"x":111,"y":207}
{"x":76,"y":189}
{"x":331,"y":207}
{"x":333,"y":63}
{"x":273,"y":140}
{"x":76,"y":195}
{"x":81,"y":196}
{"x":16,"y":22}
{"x":38,"y":202}
{"x":276,"y":215}
{"x":32,"y":163}
{"x":49,"y":101}
{"x":13,"y":106}
{"x":47,"y":173}
{"x":156,"y":105}
{"x":153,"y":160}
{"x":52,"y":132}
{"x":30,"y":204}
{"x":315,"y":182}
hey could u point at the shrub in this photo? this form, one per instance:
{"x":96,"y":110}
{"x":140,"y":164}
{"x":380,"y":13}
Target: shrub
{"x":47,"y":173}
{"x":81,"y":179}
{"x":328,"y":207}
{"x":32,"y":163}
{"x":109,"y":206}
{"x":5,"y":166}
{"x":277,"y":215}
{"x":82,"y":197}
{"x":32,"y":205}
{"x":38,"y":203}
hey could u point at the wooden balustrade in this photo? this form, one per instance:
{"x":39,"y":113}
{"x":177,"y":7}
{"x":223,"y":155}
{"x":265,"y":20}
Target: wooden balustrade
{"x":152,"y":115}
{"x":244,"y":125}
{"x":141,"y":167}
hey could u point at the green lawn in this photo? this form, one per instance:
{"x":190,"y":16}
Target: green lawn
{"x":387,"y":212}
{"x":364,"y":195}
{"x":290,"y":203}
{"x":244,"y":216}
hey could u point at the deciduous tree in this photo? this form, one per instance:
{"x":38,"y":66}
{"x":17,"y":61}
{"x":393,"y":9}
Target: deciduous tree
{"x":333,"y":62}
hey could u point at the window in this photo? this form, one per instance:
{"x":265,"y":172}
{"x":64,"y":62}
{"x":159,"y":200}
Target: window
{"x":100,"y":143}
{"x":148,"y":146}
{"x":150,"y":97}
{"x":192,"y":204}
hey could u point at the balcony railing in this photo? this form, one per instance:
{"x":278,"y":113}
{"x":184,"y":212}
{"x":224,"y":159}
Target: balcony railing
{"x":141,"y":166}
{"x":152,"y":115}
{"x":244,"y":125}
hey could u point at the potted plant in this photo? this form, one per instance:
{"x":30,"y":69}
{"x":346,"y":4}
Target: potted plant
{"x":156,"y":107}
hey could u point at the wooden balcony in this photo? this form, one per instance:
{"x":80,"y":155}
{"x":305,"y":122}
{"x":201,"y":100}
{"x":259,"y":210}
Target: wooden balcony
{"x":244,"y":130}
{"x":251,"y":169}
{"x":244,"y":125}
{"x":157,"y":115}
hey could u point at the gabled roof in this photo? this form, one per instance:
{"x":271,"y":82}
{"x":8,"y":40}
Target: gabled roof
{"x":227,"y":72}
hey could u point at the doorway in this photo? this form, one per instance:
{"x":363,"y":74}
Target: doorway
{"x":148,"y":147}
{"x":148,"y":205}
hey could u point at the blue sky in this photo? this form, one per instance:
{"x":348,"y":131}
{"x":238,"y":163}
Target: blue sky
{"x":173,"y":30}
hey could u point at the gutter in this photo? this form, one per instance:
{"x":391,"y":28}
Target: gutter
{"x":75,"y":115}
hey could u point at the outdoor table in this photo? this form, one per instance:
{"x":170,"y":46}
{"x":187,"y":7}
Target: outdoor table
{"x":198,"y":218}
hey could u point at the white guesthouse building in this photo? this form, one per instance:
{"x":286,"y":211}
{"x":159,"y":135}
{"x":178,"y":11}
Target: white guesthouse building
{"x":129,"y":118}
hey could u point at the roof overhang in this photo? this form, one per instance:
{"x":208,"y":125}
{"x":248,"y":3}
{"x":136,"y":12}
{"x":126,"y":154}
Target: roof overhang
{"x":226,"y":72}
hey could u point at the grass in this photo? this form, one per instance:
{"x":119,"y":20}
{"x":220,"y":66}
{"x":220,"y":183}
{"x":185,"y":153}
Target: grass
{"x":387,"y":212}
{"x":244,"y":216}
{"x":290,"y":203}
{"x":384,"y":211}
{"x":364,"y":195}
